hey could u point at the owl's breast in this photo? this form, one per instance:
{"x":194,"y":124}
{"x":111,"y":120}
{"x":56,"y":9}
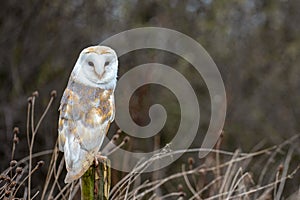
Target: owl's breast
{"x":91,"y":106}
{"x":100,"y":107}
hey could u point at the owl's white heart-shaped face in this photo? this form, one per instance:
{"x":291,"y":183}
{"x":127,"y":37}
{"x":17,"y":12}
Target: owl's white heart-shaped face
{"x":97,"y":66}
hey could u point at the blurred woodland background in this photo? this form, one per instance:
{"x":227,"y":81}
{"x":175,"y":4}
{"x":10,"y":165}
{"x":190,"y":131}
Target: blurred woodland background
{"x":255,"y":44}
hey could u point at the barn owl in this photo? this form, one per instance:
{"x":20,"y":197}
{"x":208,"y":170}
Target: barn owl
{"x":87,"y":108}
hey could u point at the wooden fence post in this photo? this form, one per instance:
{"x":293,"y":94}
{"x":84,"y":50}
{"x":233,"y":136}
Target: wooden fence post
{"x":95,"y":183}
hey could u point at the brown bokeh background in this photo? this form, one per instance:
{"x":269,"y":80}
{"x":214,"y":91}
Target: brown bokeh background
{"x":255,"y":44}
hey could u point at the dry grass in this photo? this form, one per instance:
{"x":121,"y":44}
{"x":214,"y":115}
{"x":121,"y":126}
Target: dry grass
{"x":221,"y":175}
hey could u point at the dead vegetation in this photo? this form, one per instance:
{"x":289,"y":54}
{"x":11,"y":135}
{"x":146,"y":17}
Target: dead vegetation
{"x":220,"y":175}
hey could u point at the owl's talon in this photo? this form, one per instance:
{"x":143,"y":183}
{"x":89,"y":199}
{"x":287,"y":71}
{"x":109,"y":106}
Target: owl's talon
{"x":96,"y":162}
{"x":101,"y":157}
{"x":98,"y":158}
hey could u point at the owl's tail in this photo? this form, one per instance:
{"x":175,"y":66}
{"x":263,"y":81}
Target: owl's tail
{"x":78,"y":169}
{"x":77,"y":161}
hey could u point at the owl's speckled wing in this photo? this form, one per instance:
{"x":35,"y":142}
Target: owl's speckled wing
{"x":85,"y":116}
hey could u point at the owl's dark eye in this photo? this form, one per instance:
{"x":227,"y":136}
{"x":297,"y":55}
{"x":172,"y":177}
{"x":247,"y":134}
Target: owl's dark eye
{"x":91,"y":64}
{"x":106,"y":63}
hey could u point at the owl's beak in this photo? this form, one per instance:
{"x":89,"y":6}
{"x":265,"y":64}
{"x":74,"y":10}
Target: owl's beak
{"x":99,"y":65}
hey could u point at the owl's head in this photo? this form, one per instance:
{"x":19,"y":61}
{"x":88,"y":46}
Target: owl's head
{"x":97,"y":66}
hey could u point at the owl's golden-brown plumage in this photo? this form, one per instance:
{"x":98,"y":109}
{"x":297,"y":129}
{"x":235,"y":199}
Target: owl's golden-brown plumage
{"x":86,"y":110}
